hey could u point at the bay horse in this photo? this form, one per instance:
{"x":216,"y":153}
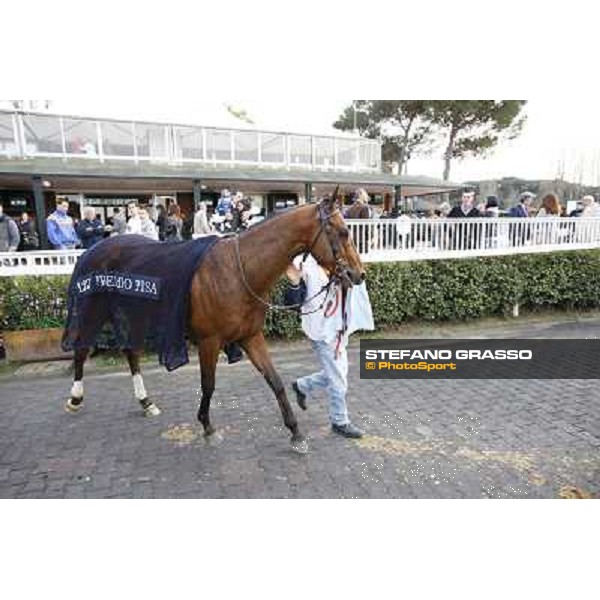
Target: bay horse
{"x":229,"y":299}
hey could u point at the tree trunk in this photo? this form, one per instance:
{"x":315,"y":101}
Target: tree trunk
{"x":448,"y":154}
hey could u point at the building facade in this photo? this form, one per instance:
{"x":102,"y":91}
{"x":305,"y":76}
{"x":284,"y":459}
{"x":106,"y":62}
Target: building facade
{"x":107,"y":163}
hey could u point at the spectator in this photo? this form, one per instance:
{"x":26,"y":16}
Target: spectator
{"x":90,"y":229}
{"x":492,"y":211}
{"x":550,"y":206}
{"x":225,"y":204}
{"x":590,"y":207}
{"x":522,"y":209}
{"x":491,"y":208}
{"x":29,"y":236}
{"x":134,"y":224}
{"x":148,"y":228}
{"x":201,"y":226}
{"x":241,"y":212}
{"x":9,"y":233}
{"x":360,"y":210}
{"x":173,"y":224}
{"x":577,"y":211}
{"x":119,"y":222}
{"x":161,"y":221}
{"x":465,"y":237}
{"x":548,"y":233}
{"x":466,"y":208}
{"x":59,"y":225}
{"x":519,"y":234}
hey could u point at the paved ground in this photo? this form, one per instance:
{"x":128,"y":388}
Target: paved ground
{"x":426,"y":439}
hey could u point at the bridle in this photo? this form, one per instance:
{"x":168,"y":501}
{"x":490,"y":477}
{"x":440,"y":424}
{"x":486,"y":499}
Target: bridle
{"x":337,"y":276}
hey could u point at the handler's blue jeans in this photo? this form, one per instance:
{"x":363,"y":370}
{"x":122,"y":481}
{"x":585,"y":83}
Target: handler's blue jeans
{"x":333,"y":377}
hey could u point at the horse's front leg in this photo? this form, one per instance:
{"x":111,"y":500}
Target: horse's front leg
{"x":258,"y":353}
{"x":208,"y":354}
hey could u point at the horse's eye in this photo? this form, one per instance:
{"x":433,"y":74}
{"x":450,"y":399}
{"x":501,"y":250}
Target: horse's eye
{"x":344,"y":234}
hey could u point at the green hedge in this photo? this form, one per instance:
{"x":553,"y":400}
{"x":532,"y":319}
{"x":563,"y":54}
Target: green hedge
{"x":441,"y":290}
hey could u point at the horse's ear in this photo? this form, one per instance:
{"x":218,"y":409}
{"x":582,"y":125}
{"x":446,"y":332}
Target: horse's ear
{"x":331,"y":201}
{"x":336,"y":197}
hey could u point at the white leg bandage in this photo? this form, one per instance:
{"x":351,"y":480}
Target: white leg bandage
{"x":77,"y":389}
{"x":138,"y":387}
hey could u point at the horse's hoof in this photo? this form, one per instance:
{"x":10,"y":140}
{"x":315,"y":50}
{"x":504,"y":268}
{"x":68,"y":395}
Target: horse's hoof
{"x":72,"y":408}
{"x":214,"y":439}
{"x":300,"y":446}
{"x":151,"y":410}
{"x":209,"y":430}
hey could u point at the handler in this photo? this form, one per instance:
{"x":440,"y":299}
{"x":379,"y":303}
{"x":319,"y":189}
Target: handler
{"x":328,"y":331}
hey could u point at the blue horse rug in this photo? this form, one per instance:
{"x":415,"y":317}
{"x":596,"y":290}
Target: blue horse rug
{"x":139,"y":286}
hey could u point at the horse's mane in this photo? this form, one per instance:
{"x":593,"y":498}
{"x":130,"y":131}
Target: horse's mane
{"x":271,"y":218}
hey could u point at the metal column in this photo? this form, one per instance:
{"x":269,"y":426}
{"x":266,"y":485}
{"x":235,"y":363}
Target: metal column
{"x":40,"y":212}
{"x":397,"y":196}
{"x":308,"y":192}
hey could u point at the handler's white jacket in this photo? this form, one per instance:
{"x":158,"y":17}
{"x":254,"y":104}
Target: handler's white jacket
{"x":327,"y":322}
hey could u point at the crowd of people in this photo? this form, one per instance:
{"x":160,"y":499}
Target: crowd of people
{"x":234,"y":213}
{"x":463,"y":235}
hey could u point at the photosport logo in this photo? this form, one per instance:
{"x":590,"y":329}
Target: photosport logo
{"x":480,"y":359}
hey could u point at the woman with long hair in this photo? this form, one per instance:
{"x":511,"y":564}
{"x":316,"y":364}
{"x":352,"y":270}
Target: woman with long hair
{"x":550,"y":208}
{"x":173,"y":224}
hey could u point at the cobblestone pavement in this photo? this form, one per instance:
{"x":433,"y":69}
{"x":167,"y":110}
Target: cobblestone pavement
{"x":426,"y":439}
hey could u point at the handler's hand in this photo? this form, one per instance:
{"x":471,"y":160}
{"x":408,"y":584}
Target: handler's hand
{"x":294,"y":274}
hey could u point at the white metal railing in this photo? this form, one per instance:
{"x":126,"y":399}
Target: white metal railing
{"x":419,"y":239}
{"x":31,"y":135}
{"x":388,"y":240}
{"x":46,"y":262}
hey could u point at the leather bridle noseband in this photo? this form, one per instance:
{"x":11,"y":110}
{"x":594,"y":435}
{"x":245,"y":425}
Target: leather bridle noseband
{"x":337,"y":276}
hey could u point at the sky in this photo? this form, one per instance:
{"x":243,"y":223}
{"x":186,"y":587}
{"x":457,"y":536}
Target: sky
{"x":559,"y":135}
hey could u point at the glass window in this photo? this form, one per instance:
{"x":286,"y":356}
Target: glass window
{"x":370,"y":154}
{"x":324,"y":152}
{"x":347,"y":152}
{"x":117,"y":139}
{"x":300,"y":150}
{"x":218,"y":145}
{"x":81,"y":137}
{"x":8,"y":143}
{"x":42,"y":134}
{"x":188,"y":143}
{"x":272,"y":148}
{"x":151,"y":141}
{"x":246,"y":146}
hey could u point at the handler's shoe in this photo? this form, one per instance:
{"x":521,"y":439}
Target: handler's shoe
{"x":348,"y":430}
{"x":300,"y":397}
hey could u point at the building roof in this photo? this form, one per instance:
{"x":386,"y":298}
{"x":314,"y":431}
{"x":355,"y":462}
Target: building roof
{"x":185,"y":174}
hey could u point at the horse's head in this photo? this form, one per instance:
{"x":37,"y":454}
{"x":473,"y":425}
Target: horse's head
{"x":333,"y":247}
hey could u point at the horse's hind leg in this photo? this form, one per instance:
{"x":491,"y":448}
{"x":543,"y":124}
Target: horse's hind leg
{"x":133,"y":358}
{"x":256,"y":348}
{"x":208,"y":354}
{"x":75,"y":402}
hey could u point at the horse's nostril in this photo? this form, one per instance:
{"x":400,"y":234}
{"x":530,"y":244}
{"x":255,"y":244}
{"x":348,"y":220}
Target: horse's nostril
{"x":363,"y":276}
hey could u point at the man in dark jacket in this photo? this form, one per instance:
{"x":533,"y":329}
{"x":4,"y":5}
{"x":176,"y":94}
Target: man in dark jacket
{"x":90,"y":230}
{"x":466,"y":237}
{"x":520,"y":234}
{"x":29,"y":236}
{"x":9,"y":233}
